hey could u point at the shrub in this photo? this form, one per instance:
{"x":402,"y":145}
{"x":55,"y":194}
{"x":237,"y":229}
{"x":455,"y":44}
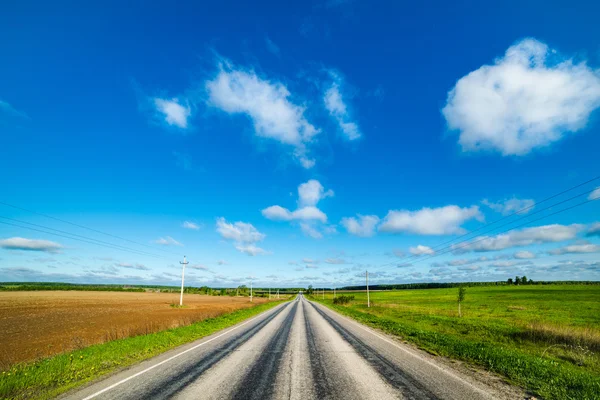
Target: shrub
{"x":343,"y":299}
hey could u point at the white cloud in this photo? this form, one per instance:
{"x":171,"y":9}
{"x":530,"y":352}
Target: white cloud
{"x":167,"y":241}
{"x":511,"y":206}
{"x":594,"y":230}
{"x":268,"y":104}
{"x":362,"y":225}
{"x":595,"y":195}
{"x":421,"y":250}
{"x":137,"y":266}
{"x":310,"y":230}
{"x":312,"y":266}
{"x":334,"y":103}
{"x":271,"y":46}
{"x":523,"y":237}
{"x":239,"y":231}
{"x":244,"y":235}
{"x":19,"y":243}
{"x":190,"y":225}
{"x":173,"y":112}
{"x":430,"y":221}
{"x":278,"y":213}
{"x":311,"y":192}
{"x":576,"y":248}
{"x":527,"y":99}
{"x":250,"y":249}
{"x":199,"y":267}
{"x":335,"y":261}
{"x":524,"y":255}
{"x":10,"y":110}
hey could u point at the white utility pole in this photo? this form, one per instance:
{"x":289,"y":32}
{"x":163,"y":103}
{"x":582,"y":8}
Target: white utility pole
{"x":183,"y":264}
{"x":278,"y":293}
{"x":250,"y":291}
{"x":368,"y":299}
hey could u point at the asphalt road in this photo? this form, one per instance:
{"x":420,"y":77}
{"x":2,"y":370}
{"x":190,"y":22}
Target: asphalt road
{"x":298,"y":350}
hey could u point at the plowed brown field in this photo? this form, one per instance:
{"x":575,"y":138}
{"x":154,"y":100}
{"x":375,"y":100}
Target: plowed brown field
{"x":40,"y":324}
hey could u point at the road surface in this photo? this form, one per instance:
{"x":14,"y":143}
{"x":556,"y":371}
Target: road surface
{"x":297,"y":350}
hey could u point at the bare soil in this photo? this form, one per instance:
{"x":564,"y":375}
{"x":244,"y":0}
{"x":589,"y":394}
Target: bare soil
{"x":34,"y":325}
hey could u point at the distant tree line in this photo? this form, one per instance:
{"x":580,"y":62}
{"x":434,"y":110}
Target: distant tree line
{"x":440,"y":285}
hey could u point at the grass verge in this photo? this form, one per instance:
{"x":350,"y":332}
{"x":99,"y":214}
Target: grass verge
{"x":542,"y":376}
{"x":53,"y":376}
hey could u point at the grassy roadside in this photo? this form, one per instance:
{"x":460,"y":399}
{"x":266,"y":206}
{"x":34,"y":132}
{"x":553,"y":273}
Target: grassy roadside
{"x":53,"y":376}
{"x":543,"y":376}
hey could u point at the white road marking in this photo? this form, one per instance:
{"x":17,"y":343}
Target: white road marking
{"x":114,"y":385}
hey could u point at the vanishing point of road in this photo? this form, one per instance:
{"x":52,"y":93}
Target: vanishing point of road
{"x":297,"y":350}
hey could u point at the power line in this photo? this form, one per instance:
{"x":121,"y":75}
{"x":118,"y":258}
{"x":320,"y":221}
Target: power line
{"x":84,"y":237}
{"x":520,"y":211}
{"x":85,"y":227}
{"x":467,"y":242}
{"x":80,"y":240}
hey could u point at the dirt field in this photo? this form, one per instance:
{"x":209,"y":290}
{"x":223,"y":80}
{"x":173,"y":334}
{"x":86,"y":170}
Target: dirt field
{"x":39,"y":324}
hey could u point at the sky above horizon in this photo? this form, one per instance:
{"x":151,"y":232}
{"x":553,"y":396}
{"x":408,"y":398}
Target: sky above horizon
{"x":297,"y":144}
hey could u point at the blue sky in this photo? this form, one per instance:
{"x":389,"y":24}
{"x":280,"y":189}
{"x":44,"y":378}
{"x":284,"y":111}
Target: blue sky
{"x":298,"y":143}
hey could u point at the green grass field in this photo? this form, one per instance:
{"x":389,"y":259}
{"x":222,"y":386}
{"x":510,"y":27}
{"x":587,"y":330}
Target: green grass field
{"x":50,"y":377}
{"x":543,"y":338}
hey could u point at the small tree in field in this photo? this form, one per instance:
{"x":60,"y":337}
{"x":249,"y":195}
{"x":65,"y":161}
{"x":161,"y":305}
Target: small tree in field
{"x":517,"y":280}
{"x":524,"y":280}
{"x":462,"y":292}
{"x":509,"y":281}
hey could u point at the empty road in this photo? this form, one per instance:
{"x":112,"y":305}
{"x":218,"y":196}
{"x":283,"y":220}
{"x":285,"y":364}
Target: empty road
{"x":298,"y":350}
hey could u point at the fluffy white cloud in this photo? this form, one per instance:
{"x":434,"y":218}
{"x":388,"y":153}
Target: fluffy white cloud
{"x":524,"y":255}
{"x":421,"y":250}
{"x":594,"y":230}
{"x":239,"y":231}
{"x":19,"y":243}
{"x":511,"y":206}
{"x":268,"y":104}
{"x":334,"y":103}
{"x":527,"y":99}
{"x":576,"y":249}
{"x":173,"y":112}
{"x":278,"y":213}
{"x":430,"y":221}
{"x":167,"y":241}
{"x":595,"y":195}
{"x":523,"y":237}
{"x":244,"y":235}
{"x":362,"y":225}
{"x":190,"y":225}
{"x":311,"y":192}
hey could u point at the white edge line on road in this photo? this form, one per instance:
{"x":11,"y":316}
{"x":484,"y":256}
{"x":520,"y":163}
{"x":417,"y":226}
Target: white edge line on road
{"x":171,"y":358}
{"x":445,"y":371}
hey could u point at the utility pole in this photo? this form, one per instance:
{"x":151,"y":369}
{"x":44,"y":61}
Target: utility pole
{"x":183,"y":264}
{"x":250,"y":291}
{"x":278,"y":294}
{"x":368,"y":298}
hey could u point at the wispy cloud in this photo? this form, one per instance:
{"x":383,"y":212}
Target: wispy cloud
{"x":7,"y":109}
{"x":271,"y":46}
{"x":338,"y":109}
{"x":511,"y":206}
{"x":173,"y":112}
{"x":167,"y":241}
{"x":362,"y":225}
{"x":267,"y":103}
{"x":190,"y":225}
